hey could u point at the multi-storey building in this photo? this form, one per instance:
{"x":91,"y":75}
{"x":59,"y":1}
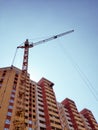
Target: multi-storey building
{"x":63,"y":112}
{"x":30,"y":105}
{"x":71,"y":119}
{"x":25,"y":104}
{"x":89,"y":120}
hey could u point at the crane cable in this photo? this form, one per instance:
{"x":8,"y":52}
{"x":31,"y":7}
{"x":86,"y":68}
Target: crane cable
{"x":3,"y":94}
{"x":80,"y":72}
{"x":14,"y":57}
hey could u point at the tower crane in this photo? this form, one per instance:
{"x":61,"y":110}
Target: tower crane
{"x":27,"y":45}
{"x":19,"y":120}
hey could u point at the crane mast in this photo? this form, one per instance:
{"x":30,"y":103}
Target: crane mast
{"x":27,"y":45}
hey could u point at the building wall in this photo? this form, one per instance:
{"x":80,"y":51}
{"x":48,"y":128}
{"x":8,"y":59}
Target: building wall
{"x":50,"y":105}
{"x":7,"y":93}
{"x":63,"y":112}
{"x":17,"y":99}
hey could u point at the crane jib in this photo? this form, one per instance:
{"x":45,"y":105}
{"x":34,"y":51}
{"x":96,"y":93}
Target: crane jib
{"x":51,"y":38}
{"x":27,"y":46}
{"x":62,"y":34}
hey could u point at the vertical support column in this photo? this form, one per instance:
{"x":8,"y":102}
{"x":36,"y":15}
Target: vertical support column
{"x":42,"y":83}
{"x":48,"y":126}
{"x":25,"y":58}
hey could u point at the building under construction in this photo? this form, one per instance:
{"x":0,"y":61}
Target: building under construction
{"x":25,"y":104}
{"x":29,"y":105}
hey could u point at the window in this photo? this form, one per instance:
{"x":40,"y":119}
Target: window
{"x":33,"y":105}
{"x":0,"y":85}
{"x":15,"y":82}
{"x":30,"y":109}
{"x":12,"y":95}
{"x":9,"y":113}
{"x":17,"y":72}
{"x":27,"y":100}
{"x":33,"y":96}
{"x":6,"y":128}
{"x":11,"y":107}
{"x":39,"y":96}
{"x":41,"y":105}
{"x":33,"y":110}
{"x":14,"y":90}
{"x":41,"y":128}
{"x":30,"y":122}
{"x":30,"y":128}
{"x":41,"y":110}
{"x":40,"y":100}
{"x":30,"y":104}
{"x":39,"y":92}
{"x":14,"y":87}
{"x":33,"y":100}
{"x":7,"y":121}
{"x":26,"y":117}
{"x":30,"y":115}
{"x":11,"y":100}
{"x":1,"y":80}
{"x":26,"y":105}
{"x":42,"y":116}
{"x":42,"y":122}
{"x":34,"y":116}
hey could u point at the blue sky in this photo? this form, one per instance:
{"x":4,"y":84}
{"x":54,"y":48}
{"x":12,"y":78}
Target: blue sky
{"x":70,"y":62}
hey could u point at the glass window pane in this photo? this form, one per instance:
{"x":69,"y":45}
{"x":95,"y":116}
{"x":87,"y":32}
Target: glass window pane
{"x":7,"y":121}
